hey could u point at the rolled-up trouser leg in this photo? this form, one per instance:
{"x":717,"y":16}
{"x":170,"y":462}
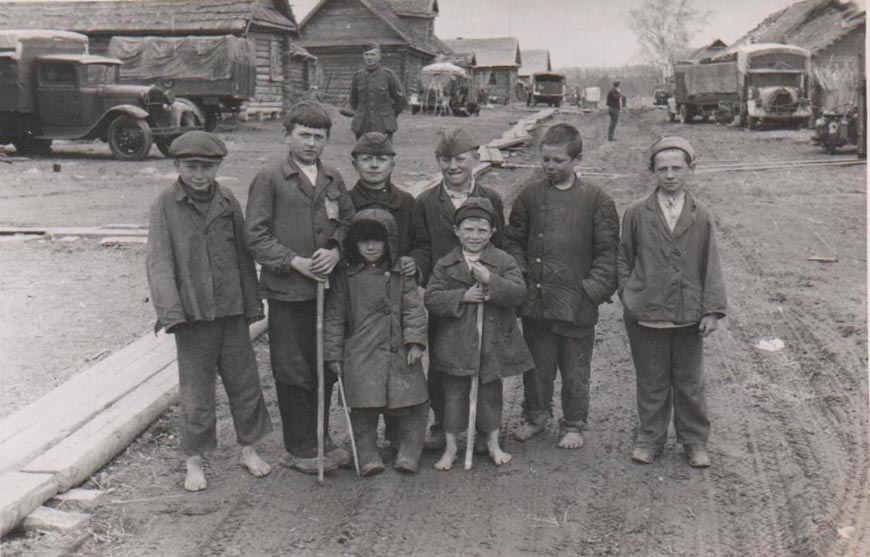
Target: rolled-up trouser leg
{"x":198,"y":349}
{"x":489,"y":403}
{"x":365,"y":432}
{"x":538,"y":382}
{"x":651,"y":352}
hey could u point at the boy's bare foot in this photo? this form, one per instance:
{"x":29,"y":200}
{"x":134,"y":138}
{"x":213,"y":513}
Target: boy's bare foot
{"x":195,"y":478}
{"x":251,"y":461}
{"x":571,"y":440}
{"x":446,"y":461}
{"x":528,"y":430}
{"x":498,"y":456}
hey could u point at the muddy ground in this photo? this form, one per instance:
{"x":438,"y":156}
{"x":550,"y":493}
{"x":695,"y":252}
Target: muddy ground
{"x":789,"y":441}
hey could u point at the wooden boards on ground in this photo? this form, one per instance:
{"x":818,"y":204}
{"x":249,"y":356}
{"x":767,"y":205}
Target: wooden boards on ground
{"x":20,"y":493}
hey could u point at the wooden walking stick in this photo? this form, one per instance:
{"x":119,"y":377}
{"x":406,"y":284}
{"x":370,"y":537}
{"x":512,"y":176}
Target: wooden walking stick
{"x":349,"y":426}
{"x":321,"y":289}
{"x":472,"y":396}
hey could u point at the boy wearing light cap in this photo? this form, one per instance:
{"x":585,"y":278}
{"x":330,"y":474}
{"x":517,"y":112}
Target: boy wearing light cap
{"x":204,"y":288}
{"x":671,"y":287}
{"x":475,"y":276}
{"x":434,"y":235}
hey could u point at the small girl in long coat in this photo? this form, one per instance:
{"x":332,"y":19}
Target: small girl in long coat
{"x":475,"y":272}
{"x":374,"y":338}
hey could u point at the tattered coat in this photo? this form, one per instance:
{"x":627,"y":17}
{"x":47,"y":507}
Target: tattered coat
{"x":454,"y":349}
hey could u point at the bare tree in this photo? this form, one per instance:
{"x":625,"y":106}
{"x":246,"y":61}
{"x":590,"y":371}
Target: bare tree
{"x":664,"y":28}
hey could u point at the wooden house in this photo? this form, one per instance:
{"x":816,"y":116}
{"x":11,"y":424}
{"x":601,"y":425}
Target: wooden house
{"x":498,"y":61}
{"x":284,"y":67}
{"x":336,"y":31}
{"x":534,"y":61}
{"x":834,"y":31}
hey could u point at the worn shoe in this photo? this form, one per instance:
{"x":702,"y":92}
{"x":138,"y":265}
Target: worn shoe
{"x":406,"y":465}
{"x":643,"y":455}
{"x":435,"y":439}
{"x":307,"y":465}
{"x":698,"y":456}
{"x":371,"y":468}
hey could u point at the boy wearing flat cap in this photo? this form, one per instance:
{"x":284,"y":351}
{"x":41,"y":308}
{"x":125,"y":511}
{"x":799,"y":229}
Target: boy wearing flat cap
{"x":204,"y":288}
{"x":376,"y":96}
{"x":298,"y":211}
{"x":671,"y":287}
{"x":563,"y":233}
{"x":475,"y":276}
{"x":434,"y":235}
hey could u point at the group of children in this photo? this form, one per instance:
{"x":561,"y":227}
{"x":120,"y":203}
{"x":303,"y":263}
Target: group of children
{"x":376,"y":248}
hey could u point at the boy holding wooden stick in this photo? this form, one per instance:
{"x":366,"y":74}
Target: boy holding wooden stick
{"x":475,"y":276}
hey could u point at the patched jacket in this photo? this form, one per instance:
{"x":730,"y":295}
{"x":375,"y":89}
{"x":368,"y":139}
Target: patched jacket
{"x":376,"y":96}
{"x":454,"y":347}
{"x":287,"y":216}
{"x":670,"y":276}
{"x":198,"y":266}
{"x":565,"y":243}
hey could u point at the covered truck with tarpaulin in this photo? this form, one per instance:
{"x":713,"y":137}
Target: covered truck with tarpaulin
{"x":446,"y":88}
{"x":757,"y":83}
{"x":217,"y":73}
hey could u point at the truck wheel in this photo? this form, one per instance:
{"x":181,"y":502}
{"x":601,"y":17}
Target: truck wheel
{"x":752,"y":123}
{"x":671,"y":116}
{"x":32,"y":146}
{"x":129,"y":138}
{"x":685,"y":114}
{"x":188,"y":120}
{"x":211,"y":119}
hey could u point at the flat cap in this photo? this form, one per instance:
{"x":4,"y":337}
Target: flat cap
{"x":198,"y":145}
{"x":670,"y":142}
{"x":373,"y":143}
{"x":475,"y":207}
{"x":371,"y":46}
{"x":455,"y":142}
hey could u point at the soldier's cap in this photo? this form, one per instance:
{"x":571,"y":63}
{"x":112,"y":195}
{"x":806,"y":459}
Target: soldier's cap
{"x":373,"y":143}
{"x":670,"y":142}
{"x":475,"y":207}
{"x":371,"y":46}
{"x":199,"y":146}
{"x":455,"y":142}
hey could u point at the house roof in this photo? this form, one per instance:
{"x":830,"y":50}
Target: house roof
{"x":463,"y":59}
{"x":495,"y":52}
{"x":174,"y":17}
{"x":696,"y":54}
{"x":534,"y":61}
{"x":415,"y":8}
{"x":811,"y":24}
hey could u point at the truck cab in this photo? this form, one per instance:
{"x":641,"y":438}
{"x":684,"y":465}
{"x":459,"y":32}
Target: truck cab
{"x":548,"y":87}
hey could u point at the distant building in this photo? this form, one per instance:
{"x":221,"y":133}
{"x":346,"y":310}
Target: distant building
{"x":284,"y":67}
{"x":534,"y":61}
{"x":336,"y":31}
{"x":498,"y":62}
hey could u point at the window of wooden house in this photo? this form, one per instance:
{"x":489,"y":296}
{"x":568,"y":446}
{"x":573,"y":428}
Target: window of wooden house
{"x":275,"y":73}
{"x":492,"y":79}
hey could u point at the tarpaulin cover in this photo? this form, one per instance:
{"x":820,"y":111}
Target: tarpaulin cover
{"x":207,"y":58}
{"x":704,"y":79}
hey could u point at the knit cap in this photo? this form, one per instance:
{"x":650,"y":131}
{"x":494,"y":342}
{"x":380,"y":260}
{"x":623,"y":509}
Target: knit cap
{"x":670,"y":142}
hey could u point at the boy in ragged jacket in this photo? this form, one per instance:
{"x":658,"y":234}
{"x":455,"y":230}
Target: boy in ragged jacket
{"x":472,"y":275}
{"x":374,"y":337}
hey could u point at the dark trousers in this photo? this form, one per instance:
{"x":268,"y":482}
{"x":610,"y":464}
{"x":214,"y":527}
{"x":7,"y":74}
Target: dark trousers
{"x":293,"y":354}
{"x":669,"y":364}
{"x":220,"y":347}
{"x":614,"y":117}
{"x":456,"y":400}
{"x":409,"y":427}
{"x":572,"y":357}
{"x":434,"y":383}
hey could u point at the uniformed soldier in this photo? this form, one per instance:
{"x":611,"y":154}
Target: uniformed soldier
{"x":376,"y":96}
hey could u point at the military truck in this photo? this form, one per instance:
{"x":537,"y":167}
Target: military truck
{"x":546,"y":87}
{"x":51,"y":88}
{"x":757,"y":83}
{"x":216,"y":73}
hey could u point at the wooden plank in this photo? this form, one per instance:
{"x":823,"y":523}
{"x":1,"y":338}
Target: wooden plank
{"x":80,"y":495}
{"x":74,"y":231}
{"x":20,"y":493}
{"x":46,"y":518}
{"x":122,"y":240}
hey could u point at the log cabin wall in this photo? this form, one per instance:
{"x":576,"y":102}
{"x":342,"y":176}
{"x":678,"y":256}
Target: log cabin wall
{"x":339,"y":64}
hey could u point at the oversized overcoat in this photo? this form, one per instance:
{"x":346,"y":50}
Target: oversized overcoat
{"x":400,"y":204}
{"x":197,"y":264}
{"x":377,"y":97}
{"x":454,"y":349}
{"x":373,"y":314}
{"x":670,"y":276}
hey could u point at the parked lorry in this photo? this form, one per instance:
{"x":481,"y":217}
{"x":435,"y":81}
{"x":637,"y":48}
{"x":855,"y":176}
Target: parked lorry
{"x":546,"y":87}
{"x":51,"y":88}
{"x":756,"y":83}
{"x":216,"y":73}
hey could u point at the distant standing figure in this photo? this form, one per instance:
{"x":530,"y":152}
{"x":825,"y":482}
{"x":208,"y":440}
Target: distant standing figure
{"x":376,"y":96}
{"x":615,"y":100}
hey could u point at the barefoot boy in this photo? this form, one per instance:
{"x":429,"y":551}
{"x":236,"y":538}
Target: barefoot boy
{"x":671,"y":286}
{"x":472,"y":275}
{"x":298,"y":210}
{"x":563,"y":234}
{"x":204,"y":287}
{"x":374,"y":337}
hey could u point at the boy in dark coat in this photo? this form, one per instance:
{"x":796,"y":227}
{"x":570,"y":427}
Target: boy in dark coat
{"x":298,"y":210}
{"x":563,"y":234}
{"x":374,"y":338}
{"x":434,"y":235}
{"x":475,"y":272}
{"x":204,"y":287}
{"x":671,"y":286}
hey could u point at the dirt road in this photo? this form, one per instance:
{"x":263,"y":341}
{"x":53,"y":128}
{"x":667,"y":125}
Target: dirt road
{"x":789,"y":441}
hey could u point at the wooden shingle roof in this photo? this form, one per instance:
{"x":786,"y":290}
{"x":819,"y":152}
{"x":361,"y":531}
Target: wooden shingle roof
{"x":534,"y":61}
{"x":495,"y":52}
{"x":174,"y":17}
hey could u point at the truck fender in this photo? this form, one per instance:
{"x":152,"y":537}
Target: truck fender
{"x":182,"y":105}
{"x":99,"y":129}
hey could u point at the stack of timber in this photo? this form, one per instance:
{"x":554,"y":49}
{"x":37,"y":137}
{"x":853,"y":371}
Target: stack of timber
{"x":61,"y":439}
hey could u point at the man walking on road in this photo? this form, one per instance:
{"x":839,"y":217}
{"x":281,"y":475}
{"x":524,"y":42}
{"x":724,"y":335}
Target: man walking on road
{"x":376,"y":96}
{"x":615,"y":100}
